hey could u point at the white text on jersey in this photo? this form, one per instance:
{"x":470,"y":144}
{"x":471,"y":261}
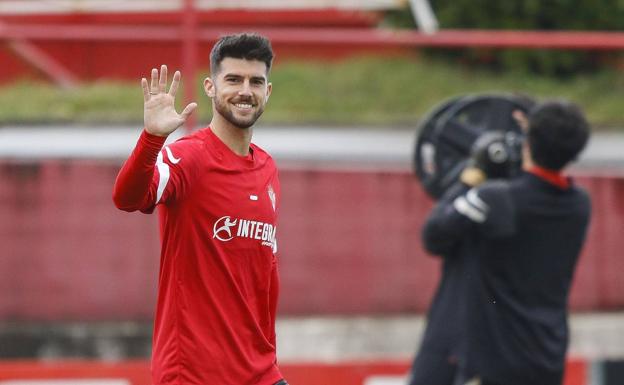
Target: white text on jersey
{"x":245,"y":228}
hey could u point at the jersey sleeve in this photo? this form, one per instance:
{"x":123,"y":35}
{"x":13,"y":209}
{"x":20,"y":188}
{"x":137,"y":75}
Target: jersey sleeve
{"x":275,"y":194}
{"x":273,"y":300}
{"x":154,"y":175}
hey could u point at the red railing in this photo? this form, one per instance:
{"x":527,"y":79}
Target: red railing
{"x":294,"y":33}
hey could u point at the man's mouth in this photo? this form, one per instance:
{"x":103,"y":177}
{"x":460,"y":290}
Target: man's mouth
{"x":244,"y":106}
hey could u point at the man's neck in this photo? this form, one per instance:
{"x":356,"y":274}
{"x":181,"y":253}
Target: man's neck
{"x":236,"y":138}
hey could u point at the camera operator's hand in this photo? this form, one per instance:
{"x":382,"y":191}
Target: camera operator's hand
{"x":480,"y":162}
{"x":494,"y":155}
{"x":472,"y":176}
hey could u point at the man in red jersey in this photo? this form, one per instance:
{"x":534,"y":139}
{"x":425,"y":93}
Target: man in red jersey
{"x":218,"y":197}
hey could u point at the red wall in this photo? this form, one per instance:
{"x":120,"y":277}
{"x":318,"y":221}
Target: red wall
{"x":349,"y":243}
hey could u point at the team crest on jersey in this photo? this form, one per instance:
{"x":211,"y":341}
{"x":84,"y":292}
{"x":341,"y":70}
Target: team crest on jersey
{"x":271,"y":193}
{"x":225,"y":229}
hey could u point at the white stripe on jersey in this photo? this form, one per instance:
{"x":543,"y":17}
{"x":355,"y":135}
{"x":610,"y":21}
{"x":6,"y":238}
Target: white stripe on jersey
{"x":172,"y":158}
{"x":163,"y":172}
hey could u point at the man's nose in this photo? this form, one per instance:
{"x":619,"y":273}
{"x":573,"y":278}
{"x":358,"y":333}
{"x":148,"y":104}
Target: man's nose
{"x":245,"y":89}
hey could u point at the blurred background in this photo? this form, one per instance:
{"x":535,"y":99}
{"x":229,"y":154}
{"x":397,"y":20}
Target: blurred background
{"x":352,"y":80}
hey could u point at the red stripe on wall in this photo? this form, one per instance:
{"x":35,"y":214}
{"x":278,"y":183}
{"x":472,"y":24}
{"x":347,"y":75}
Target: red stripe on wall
{"x":137,"y":372}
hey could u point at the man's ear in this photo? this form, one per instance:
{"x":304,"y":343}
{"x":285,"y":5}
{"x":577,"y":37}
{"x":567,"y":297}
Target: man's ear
{"x":269,"y":90}
{"x":209,"y":87}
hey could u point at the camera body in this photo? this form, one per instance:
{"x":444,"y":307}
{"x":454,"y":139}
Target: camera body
{"x":498,"y":154}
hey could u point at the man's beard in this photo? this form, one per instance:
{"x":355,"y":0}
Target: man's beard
{"x":225,"y":110}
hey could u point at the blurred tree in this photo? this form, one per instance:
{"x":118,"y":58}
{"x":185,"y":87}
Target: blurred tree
{"x":582,"y":15}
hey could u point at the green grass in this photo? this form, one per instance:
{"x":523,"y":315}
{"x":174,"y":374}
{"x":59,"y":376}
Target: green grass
{"x":362,"y":91}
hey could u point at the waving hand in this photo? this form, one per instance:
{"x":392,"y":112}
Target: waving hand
{"x":159,"y":114}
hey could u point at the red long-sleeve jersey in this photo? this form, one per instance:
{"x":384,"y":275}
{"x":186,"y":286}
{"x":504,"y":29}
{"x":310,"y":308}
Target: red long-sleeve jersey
{"x":218,"y":283}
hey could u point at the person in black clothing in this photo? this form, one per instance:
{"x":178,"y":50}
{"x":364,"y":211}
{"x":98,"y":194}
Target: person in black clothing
{"x":437,"y":358}
{"x":496,"y":154}
{"x":517,"y":242}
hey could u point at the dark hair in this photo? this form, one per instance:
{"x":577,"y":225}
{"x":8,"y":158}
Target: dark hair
{"x":558,"y":132}
{"x":248,"y":46}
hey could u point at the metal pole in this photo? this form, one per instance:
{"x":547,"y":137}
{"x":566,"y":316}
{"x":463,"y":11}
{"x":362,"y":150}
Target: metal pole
{"x":425,"y":18}
{"x":189,"y":58}
{"x":45,"y":63}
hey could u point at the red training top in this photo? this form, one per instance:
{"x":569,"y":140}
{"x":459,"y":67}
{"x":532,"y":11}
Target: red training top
{"x":218,"y":283}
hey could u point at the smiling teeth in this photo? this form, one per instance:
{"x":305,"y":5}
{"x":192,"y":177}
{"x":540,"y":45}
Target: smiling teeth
{"x":243,"y":105}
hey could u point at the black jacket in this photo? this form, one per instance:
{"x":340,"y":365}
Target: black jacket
{"x":444,"y":324}
{"x":519,"y":241}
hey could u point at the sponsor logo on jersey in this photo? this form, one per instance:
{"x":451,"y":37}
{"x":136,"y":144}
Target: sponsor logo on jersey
{"x":226,"y":228}
{"x":222,"y":229}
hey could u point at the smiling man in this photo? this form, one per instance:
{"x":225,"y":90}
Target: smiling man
{"x":218,"y":197}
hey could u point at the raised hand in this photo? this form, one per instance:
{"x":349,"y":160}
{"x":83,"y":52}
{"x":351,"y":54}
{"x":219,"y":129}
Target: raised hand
{"x":159,"y":114}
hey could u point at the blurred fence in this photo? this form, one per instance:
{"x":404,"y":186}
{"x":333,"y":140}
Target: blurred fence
{"x":13,"y":7}
{"x":118,"y":40}
{"x":349,"y":244}
{"x":69,"y":41}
